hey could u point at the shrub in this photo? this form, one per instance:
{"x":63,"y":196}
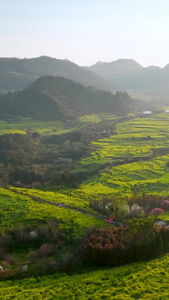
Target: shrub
{"x":6,"y":273}
{"x":165,"y":205}
{"x":101,"y":206}
{"x":156,"y":211}
{"x":44,"y":266}
{"x":46,"y":250}
{"x":119,"y":208}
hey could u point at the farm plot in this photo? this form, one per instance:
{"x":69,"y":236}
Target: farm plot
{"x":22,"y":126}
{"x":137,"y":281}
{"x":18,"y":210}
{"x":151,"y":177}
{"x":138,"y":155}
{"x":52,"y":127}
{"x":134,"y":138}
{"x":56,"y":197}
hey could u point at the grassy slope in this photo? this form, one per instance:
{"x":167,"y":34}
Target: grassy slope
{"x":137,"y":281}
{"x":57,"y":197}
{"x":17,"y":210}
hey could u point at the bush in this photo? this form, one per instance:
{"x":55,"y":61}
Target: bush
{"x":46,"y":250}
{"x":101,"y":206}
{"x":119,"y":208}
{"x":156,"y":211}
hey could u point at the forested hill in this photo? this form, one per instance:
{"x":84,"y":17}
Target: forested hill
{"x":17,"y":73}
{"x":57,"y":98}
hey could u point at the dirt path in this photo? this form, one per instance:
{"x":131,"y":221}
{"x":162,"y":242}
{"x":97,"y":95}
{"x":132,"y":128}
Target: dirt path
{"x":41,"y":200}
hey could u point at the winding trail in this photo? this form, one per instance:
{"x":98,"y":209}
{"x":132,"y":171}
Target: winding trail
{"x":41,"y":200}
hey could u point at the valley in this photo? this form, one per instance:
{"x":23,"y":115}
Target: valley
{"x":84,"y":181}
{"x":84,"y":150}
{"x":126,"y":160}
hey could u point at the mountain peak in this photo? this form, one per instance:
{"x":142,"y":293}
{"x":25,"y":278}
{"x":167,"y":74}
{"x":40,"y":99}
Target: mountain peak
{"x":98,"y":63}
{"x":120,"y":66}
{"x":128,"y":62}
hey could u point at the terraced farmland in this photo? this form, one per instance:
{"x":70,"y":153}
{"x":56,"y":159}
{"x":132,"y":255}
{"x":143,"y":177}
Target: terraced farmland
{"x":137,"y":137}
{"x":151,"y":177}
{"x":138,"y":154}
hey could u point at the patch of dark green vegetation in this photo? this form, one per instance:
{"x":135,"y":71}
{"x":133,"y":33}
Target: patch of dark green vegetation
{"x":57,"y":98}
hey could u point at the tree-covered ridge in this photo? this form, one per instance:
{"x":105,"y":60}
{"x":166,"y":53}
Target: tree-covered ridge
{"x":17,"y":73}
{"x":57,"y":98}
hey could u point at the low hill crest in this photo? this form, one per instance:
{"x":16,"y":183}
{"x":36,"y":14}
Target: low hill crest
{"x":58,"y":98}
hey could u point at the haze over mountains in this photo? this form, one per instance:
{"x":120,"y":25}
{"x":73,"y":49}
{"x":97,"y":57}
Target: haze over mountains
{"x":130,"y":76}
{"x":58,"y":98}
{"x":122,"y":75}
{"x":18,"y":73}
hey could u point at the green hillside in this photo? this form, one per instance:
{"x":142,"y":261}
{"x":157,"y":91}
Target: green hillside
{"x":16,"y":74}
{"x":20,"y":210}
{"x":56,"y":98}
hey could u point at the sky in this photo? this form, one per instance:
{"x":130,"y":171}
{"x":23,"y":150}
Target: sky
{"x":86,"y":31}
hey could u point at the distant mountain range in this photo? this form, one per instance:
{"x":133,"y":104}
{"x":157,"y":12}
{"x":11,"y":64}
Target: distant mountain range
{"x":58,"y":98}
{"x":17,"y":73}
{"x":122,"y":75}
{"x":130,"y":76}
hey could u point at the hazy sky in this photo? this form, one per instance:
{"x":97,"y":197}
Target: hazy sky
{"x":85,"y":31}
